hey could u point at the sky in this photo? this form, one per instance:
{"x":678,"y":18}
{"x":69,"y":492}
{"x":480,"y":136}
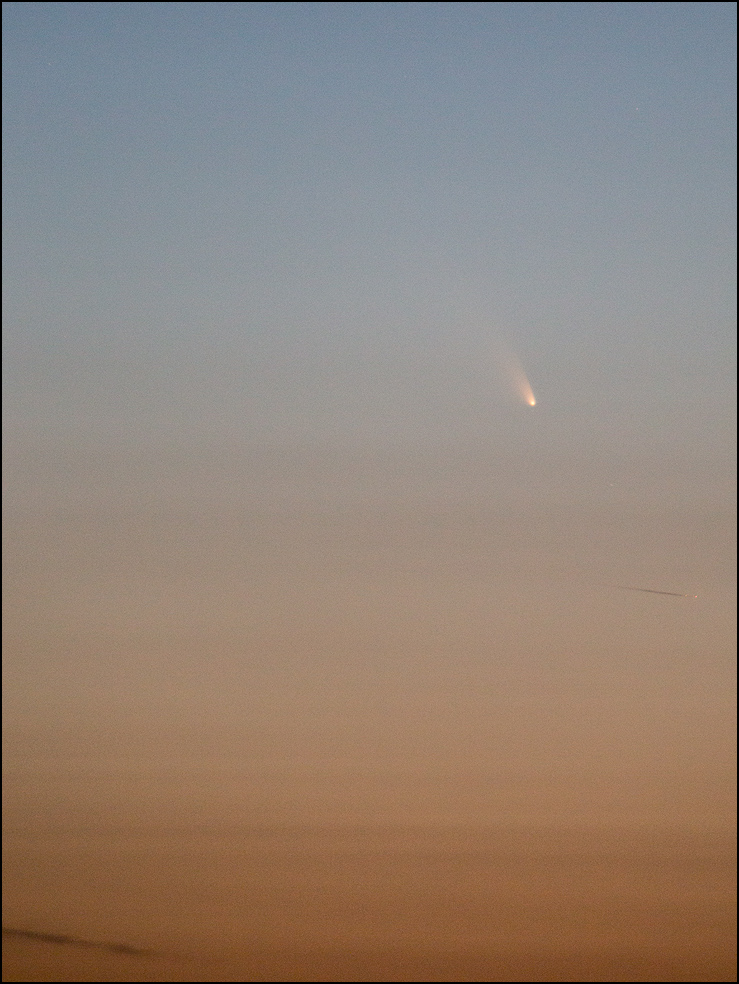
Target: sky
{"x":278,"y":538}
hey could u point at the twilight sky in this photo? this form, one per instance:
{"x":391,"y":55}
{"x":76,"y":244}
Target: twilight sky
{"x":268,"y":507}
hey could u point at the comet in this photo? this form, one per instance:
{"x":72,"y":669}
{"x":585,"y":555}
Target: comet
{"x":672,"y":594}
{"x":514,"y":374}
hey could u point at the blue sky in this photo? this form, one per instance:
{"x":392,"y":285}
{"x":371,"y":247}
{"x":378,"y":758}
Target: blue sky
{"x":362,"y":179}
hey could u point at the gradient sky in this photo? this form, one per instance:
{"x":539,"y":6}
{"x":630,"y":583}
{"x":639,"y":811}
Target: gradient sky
{"x":267,"y":505}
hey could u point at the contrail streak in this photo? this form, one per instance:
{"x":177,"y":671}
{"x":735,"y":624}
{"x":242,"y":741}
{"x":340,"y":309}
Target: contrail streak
{"x":65,"y":940}
{"x":673,"y":594}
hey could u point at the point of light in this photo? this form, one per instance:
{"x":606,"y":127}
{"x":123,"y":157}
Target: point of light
{"x":531,"y":400}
